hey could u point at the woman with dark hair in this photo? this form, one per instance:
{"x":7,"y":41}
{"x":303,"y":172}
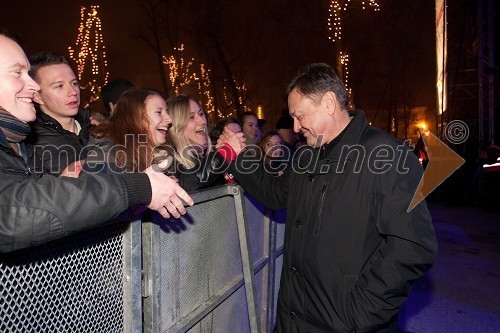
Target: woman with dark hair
{"x":133,"y":137}
{"x":272,"y":150}
{"x":250,"y":126}
{"x":38,"y":208}
{"x":230,"y":123}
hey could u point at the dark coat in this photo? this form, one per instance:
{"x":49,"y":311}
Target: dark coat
{"x":55,"y":147}
{"x":102,"y":157}
{"x":352,"y":250}
{"x":36,"y":208}
{"x":206,"y":173}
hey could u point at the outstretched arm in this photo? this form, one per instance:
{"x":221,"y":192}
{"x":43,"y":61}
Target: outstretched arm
{"x":34,"y":211}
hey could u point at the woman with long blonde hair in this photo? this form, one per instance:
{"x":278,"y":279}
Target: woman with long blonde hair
{"x":197,"y":163}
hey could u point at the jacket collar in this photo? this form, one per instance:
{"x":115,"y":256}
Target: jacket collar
{"x":326,"y":158}
{"x":350,"y":136}
{"x":44,"y":119}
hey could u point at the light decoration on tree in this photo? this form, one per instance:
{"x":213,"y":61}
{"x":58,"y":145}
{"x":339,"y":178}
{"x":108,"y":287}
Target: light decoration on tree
{"x":229,"y":102}
{"x":90,"y":47}
{"x":344,"y":60}
{"x":188,"y":75}
{"x":336,"y":6}
{"x":260,"y":112}
{"x":184,"y":73}
{"x":180,"y":71}
{"x":204,"y":88}
{"x":335,"y":28}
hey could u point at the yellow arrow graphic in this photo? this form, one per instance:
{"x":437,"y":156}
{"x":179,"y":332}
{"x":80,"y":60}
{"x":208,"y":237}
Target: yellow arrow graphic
{"x":443,"y":161}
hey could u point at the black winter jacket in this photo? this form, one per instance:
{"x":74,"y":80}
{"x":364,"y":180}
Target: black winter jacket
{"x":206,"y":173}
{"x":56,"y":147}
{"x":352,"y":250}
{"x":36,"y":208}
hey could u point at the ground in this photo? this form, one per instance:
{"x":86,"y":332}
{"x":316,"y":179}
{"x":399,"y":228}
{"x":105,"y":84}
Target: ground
{"x":461,"y":292}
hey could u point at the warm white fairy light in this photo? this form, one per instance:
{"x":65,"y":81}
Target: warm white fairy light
{"x":182,"y":73}
{"x":334,"y":17}
{"x":344,"y":60}
{"x":85,"y":49}
{"x":335,"y":28}
{"x":260,"y":112}
{"x":229,"y":102}
{"x":204,"y":87}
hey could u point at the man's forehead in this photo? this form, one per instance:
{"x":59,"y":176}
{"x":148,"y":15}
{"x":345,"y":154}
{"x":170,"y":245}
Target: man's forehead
{"x":56,"y":72}
{"x":294,"y":100}
{"x":11,"y":54}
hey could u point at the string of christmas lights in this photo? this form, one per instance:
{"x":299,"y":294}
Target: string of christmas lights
{"x":344,"y":60}
{"x":335,"y":8}
{"x":90,"y":46}
{"x":183,"y":73}
{"x":335,"y":28}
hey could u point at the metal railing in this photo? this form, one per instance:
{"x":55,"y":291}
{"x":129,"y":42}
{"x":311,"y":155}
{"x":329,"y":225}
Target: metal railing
{"x":216,"y":269}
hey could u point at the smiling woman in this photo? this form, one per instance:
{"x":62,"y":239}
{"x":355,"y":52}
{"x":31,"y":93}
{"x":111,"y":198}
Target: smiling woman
{"x":36,"y":208}
{"x":189,"y":137}
{"x":133,"y":136}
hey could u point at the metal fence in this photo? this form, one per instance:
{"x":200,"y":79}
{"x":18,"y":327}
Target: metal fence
{"x":216,"y":269}
{"x":89,"y":282}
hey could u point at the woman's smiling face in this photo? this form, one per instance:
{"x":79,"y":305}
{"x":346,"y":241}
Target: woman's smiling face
{"x":196,"y":129}
{"x":159,"y":119}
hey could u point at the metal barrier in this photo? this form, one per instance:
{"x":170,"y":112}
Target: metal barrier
{"x":216,"y":269}
{"x":88,"y":282}
{"x":200,"y":276}
{"x":277,"y":245}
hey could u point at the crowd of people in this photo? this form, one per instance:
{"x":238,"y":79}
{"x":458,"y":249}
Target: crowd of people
{"x":138,"y":128}
{"x":352,"y":247}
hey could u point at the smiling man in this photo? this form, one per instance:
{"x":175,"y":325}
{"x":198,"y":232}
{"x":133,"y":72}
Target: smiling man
{"x":35,"y":209}
{"x":352,"y":248}
{"x":61,"y":129}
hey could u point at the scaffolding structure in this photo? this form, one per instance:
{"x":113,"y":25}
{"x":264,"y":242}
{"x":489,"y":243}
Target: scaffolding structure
{"x":486,"y":70}
{"x":471,"y":67}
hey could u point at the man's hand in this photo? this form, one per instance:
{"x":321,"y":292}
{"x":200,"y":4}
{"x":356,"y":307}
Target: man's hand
{"x":166,"y":193}
{"x":94,"y":122}
{"x":72,"y":170}
{"x":236,"y":140}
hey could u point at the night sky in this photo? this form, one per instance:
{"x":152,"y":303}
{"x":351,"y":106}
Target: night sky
{"x":392,"y":52}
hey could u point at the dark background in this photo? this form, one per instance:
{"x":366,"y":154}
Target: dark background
{"x":392,"y":51}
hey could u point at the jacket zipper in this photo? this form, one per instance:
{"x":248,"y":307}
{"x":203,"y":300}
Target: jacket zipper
{"x":320,"y":211}
{"x":15,"y":156}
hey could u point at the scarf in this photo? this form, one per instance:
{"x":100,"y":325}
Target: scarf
{"x":15,"y":130}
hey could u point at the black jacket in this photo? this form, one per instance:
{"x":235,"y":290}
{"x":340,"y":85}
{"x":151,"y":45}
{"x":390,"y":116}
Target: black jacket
{"x":206,"y":173}
{"x":56,"y":147}
{"x":36,"y":208}
{"x":352,"y":250}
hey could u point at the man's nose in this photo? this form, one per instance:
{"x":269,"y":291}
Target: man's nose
{"x":296,"y":125}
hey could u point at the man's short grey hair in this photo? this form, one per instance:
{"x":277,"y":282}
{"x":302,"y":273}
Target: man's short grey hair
{"x":317,"y":79}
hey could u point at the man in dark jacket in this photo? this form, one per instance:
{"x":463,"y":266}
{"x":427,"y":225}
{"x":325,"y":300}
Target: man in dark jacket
{"x":352,"y":248}
{"x":35,"y":208}
{"x":61,"y":129}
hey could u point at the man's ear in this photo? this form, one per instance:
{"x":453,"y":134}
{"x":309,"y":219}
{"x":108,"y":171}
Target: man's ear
{"x":38,"y":99}
{"x":330,"y":100}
